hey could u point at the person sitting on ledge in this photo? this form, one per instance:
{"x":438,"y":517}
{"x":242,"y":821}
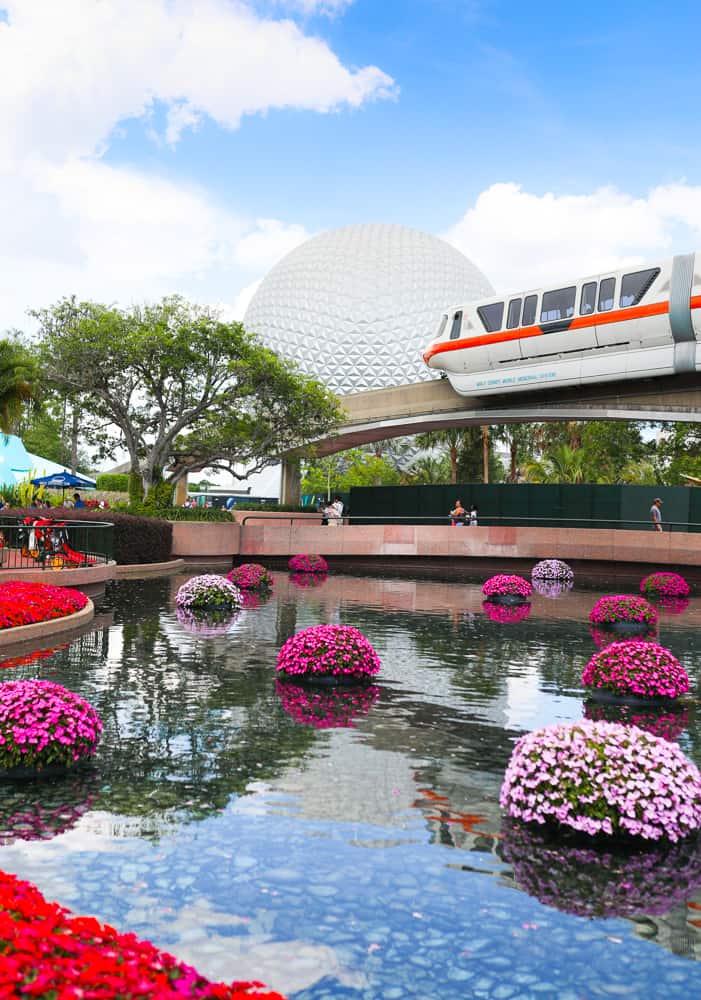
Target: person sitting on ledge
{"x":77,"y":502}
{"x":458,"y":514}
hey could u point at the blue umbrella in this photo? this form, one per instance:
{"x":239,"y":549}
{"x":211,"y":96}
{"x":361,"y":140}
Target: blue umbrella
{"x":64,"y":480}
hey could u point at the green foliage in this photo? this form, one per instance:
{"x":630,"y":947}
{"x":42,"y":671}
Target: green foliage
{"x":355,"y":467}
{"x":136,"y":488}
{"x":428,"y":471}
{"x":680,"y":453}
{"x":19,"y":383}
{"x":26,"y":492}
{"x":115,"y":482}
{"x":470,"y":461}
{"x":561,"y":465}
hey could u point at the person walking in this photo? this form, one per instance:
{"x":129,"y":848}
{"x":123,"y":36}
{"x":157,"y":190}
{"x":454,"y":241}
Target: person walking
{"x":656,"y":514}
{"x":458,"y":515}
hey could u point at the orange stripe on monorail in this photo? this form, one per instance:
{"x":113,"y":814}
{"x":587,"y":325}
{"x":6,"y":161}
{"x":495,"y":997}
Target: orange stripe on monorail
{"x":579,"y":323}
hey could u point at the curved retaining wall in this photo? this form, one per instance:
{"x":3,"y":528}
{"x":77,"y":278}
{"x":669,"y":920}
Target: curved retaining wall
{"x":42,"y":630}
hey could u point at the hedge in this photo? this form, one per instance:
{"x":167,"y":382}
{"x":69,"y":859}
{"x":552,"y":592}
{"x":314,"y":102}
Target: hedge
{"x":135,"y":539}
{"x":115,"y":482}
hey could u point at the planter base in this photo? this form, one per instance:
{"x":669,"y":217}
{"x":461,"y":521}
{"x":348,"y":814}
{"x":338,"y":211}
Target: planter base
{"x":322,"y":680}
{"x":507,"y":600}
{"x":21,"y":773}
{"x":609,"y":698}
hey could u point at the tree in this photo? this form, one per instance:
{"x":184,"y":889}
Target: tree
{"x":451,"y":441}
{"x":519,"y":440}
{"x":471,"y":458}
{"x":338,"y":473}
{"x":19,"y":383}
{"x":429,"y":470}
{"x":184,"y":390}
{"x":561,"y":465}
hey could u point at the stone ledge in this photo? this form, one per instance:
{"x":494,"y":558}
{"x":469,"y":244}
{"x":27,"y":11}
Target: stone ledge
{"x":43,"y":630}
{"x":81,"y":577}
{"x":134,"y":571}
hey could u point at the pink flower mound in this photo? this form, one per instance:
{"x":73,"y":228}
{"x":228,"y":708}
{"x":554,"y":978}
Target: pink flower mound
{"x":642,"y":669}
{"x":506,"y":615}
{"x":623,"y":608}
{"x":664,"y":585}
{"x":505,"y":583}
{"x":251,"y":576}
{"x":339,"y":651}
{"x":336,"y":709}
{"x":308,"y":562}
{"x":603,"y":778}
{"x":43,"y":723}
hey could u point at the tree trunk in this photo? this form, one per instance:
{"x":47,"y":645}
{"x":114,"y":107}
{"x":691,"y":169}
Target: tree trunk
{"x":453,"y":464}
{"x":75,"y":427}
{"x":485,"y":454}
{"x":514,"y":461}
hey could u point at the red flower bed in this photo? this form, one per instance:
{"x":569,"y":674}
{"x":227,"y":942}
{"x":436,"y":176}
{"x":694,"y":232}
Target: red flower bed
{"x":26,"y":603}
{"x":47,"y":952}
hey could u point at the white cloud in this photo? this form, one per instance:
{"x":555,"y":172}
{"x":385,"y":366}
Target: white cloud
{"x":329,"y":8}
{"x":521,"y":240}
{"x":268,"y":243}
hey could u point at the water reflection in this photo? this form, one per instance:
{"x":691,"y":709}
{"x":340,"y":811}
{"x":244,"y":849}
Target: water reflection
{"x":328,"y":828}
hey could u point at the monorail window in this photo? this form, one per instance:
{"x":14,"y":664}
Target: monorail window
{"x":457,"y":323}
{"x":441,"y":328}
{"x":634,"y":286}
{"x":558,"y":305}
{"x":607,"y":290}
{"x":513,"y":316}
{"x":492,"y":316}
{"x":529,"y":310}
{"x":587,"y":303}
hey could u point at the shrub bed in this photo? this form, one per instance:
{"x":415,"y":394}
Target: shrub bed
{"x":664,"y":584}
{"x":23,"y":603}
{"x":642,"y":669}
{"x":507,"y":585}
{"x":308,"y":562}
{"x":603,"y":778}
{"x":251,"y":576}
{"x":335,"y":709}
{"x":208,"y":592}
{"x":552,"y":569}
{"x":42,"y":724}
{"x":328,"y":651}
{"x":48,"y":952}
{"x":617,"y":608}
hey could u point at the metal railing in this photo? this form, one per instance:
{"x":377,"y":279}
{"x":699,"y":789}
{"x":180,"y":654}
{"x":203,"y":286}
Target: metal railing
{"x":619,"y":524}
{"x":48,"y":544}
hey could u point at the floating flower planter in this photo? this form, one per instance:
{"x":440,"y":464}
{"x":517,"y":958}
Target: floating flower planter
{"x":44,"y":728}
{"x":306,"y":580}
{"x":603,"y":778}
{"x":624,"y":613}
{"x":506,"y":614}
{"x":49,"y":952}
{"x":507,"y":589}
{"x":206,"y":624}
{"x":552,"y":569}
{"x":668,"y":725}
{"x":251,"y":576}
{"x":592,"y":883}
{"x":635,"y":671}
{"x":308,"y":562}
{"x":328,"y":654}
{"x":664,"y":584}
{"x":332,"y":709}
{"x":208,"y":592}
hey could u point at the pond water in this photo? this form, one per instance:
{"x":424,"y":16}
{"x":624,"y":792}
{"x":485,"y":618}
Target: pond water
{"x":255,"y":834}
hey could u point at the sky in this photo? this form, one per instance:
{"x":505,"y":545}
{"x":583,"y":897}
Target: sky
{"x":151,"y":147}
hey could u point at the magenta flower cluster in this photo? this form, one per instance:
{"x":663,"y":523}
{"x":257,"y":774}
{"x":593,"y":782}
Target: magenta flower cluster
{"x":335,"y":709}
{"x":251,"y":576}
{"x":308,"y":562}
{"x":552,"y":569}
{"x":339,"y":651}
{"x":506,"y":614}
{"x":603,"y":778}
{"x":643,"y":669}
{"x":42,"y":723}
{"x":664,"y":584}
{"x":623,"y":608}
{"x":601,"y":883}
{"x":208,"y":591}
{"x":505,"y":583}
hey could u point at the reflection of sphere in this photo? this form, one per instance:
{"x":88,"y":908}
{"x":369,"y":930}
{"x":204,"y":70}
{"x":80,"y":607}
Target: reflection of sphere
{"x":206,"y":624}
{"x":552,"y":588}
{"x":304,"y":580}
{"x":504,"y":614}
{"x":672,"y":605}
{"x":668,"y":725}
{"x":356,"y":306}
{"x":331,"y":709}
{"x":591,"y":882}
{"x":24,"y":817}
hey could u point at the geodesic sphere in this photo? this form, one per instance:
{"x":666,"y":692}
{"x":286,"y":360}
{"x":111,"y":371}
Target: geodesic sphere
{"x":355,"y":307}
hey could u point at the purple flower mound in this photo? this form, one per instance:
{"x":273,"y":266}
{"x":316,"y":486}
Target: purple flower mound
{"x":603,"y":778}
{"x":339,"y":651}
{"x":552,"y":588}
{"x":308,"y":562}
{"x":42,"y":723}
{"x":507,"y":584}
{"x":667,"y":725}
{"x":336,"y":709}
{"x":206,"y":624}
{"x":601,"y":883}
{"x":505,"y":615}
{"x":251,"y":576}
{"x":643,"y":669}
{"x":552,"y":569}
{"x":623,"y":608}
{"x":208,"y":592}
{"x":664,"y":585}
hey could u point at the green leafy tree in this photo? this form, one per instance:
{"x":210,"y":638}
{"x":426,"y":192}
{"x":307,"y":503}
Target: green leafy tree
{"x":180,"y":389}
{"x":679,"y":452}
{"x":428,"y":470}
{"x":452,"y":441}
{"x":471,"y":458}
{"x":519,"y":440}
{"x":338,"y":473}
{"x":19,"y":383}
{"x":562,"y":465}
{"x":610,"y":446}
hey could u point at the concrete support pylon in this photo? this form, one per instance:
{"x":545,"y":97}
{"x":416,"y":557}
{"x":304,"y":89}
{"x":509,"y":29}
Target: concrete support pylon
{"x":180,"y":492}
{"x":291,"y":482}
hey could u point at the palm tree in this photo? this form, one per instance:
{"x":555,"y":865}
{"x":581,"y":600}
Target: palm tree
{"x":429,"y":471}
{"x":451,"y":438}
{"x":562,"y":465}
{"x":19,"y":383}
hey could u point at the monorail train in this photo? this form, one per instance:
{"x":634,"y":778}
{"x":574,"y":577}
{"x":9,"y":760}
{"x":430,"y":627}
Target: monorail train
{"x":635,"y":323}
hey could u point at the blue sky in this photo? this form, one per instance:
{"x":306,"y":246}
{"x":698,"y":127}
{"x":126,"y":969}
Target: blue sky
{"x":155,"y":146}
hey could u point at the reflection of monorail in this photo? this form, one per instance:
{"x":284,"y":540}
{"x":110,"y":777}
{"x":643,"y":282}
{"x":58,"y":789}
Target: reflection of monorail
{"x":625,"y":324}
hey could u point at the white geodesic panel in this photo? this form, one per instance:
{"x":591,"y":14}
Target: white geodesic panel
{"x":356,"y":306}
